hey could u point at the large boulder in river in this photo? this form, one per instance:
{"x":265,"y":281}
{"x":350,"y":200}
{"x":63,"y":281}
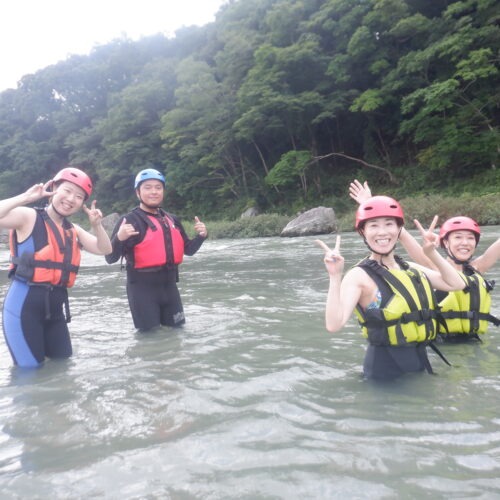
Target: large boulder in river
{"x":109,"y":222}
{"x":319,"y":220}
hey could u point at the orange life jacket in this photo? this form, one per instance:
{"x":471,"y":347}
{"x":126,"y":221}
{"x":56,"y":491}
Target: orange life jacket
{"x":56,"y":263}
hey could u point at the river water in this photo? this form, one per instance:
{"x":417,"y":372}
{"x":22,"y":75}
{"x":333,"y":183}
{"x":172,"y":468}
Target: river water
{"x":252,"y":399}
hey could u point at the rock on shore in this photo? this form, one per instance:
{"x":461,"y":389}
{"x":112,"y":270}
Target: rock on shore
{"x":319,"y":220}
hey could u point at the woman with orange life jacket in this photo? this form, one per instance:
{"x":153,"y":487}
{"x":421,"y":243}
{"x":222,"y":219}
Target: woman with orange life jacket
{"x":393,"y":299}
{"x":153,"y":243}
{"x":45,"y":250}
{"x":466,"y":313}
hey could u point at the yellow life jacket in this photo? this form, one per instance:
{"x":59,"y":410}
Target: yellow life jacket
{"x":407,"y":312}
{"x":467,"y":311}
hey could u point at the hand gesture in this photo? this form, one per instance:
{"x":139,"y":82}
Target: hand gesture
{"x":430,"y":240}
{"x":334,"y":262}
{"x":200,"y":228}
{"x":93,"y":213}
{"x":126,"y":230}
{"x":38,"y":191}
{"x":359,"y":192}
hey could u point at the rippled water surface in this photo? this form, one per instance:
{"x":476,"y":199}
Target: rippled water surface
{"x":252,"y":399}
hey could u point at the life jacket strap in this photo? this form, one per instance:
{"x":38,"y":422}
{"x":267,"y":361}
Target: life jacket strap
{"x":48,"y":288}
{"x":474,"y":316}
{"x":421,"y":315}
{"x":439,"y":353}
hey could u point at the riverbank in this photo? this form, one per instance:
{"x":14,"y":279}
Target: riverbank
{"x":484,"y":209}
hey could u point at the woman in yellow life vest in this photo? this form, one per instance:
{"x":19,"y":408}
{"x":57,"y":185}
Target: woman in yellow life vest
{"x":394,"y":300}
{"x":45,"y":254}
{"x":466,"y":312}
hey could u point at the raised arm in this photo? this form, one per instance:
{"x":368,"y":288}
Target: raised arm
{"x":359,"y":192}
{"x":97,"y":243}
{"x":446,"y":277}
{"x":489,"y":257}
{"x":191,"y":246}
{"x":343,"y":294}
{"x":13,"y":213}
{"x":414,"y":249}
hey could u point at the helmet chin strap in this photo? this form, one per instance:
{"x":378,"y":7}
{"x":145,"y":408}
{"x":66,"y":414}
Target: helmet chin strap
{"x":50,"y":205}
{"x":448,"y":252}
{"x":455,"y":260}
{"x":378,"y":253}
{"x":151,"y":207}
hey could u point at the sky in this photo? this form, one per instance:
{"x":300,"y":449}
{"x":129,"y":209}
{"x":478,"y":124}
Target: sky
{"x":35,"y":34}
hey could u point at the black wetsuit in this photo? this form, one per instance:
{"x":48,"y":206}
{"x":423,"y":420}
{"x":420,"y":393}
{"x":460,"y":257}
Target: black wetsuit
{"x":389,"y":362}
{"x":152,"y":293}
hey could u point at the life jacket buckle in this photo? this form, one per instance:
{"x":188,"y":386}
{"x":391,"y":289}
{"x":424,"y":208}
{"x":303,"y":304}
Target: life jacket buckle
{"x":489,"y":284}
{"x":426,"y":315}
{"x":471,"y":315}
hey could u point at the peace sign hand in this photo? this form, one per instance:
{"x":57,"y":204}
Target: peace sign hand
{"x":334,"y":262}
{"x":430,"y":240}
{"x":38,"y":191}
{"x":94,"y":214}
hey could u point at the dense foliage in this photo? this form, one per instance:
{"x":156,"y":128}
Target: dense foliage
{"x":278,"y":103}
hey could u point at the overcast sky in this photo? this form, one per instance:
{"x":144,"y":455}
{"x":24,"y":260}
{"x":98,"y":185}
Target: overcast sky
{"x":37,"y":33}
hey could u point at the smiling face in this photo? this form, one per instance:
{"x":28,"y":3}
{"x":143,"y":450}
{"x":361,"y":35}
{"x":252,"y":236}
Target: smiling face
{"x":381,"y":234}
{"x":68,"y":198}
{"x":461,"y":244}
{"x":150,"y":193}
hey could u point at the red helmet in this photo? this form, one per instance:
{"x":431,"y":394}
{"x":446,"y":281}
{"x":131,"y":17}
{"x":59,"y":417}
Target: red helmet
{"x":457,"y":224}
{"x":379,"y":206}
{"x":76,"y":176}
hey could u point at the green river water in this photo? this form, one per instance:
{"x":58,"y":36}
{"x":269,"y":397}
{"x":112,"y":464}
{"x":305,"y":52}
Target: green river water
{"x":252,"y":399}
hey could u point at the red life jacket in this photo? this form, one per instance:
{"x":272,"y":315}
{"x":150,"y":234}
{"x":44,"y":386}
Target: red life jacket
{"x":56,"y":263}
{"x":162,"y":243}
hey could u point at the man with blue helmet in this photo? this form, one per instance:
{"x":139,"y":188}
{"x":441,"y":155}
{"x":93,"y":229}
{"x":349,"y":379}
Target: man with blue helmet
{"x":153,"y":243}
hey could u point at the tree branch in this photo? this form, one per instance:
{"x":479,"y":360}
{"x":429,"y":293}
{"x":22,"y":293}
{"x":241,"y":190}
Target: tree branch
{"x":366,"y":164}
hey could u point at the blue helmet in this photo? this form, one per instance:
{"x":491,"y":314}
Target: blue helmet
{"x":146,"y":174}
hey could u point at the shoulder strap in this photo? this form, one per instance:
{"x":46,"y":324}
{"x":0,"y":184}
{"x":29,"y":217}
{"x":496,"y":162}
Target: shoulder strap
{"x":53,"y":227}
{"x":144,"y":218}
{"x":423,"y":314}
{"x":370,"y":267}
{"x":373,"y":268}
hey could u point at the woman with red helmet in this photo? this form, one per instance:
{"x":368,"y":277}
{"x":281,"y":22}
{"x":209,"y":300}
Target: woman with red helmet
{"x":466,"y":312}
{"x":45,"y":255}
{"x":393,"y":300}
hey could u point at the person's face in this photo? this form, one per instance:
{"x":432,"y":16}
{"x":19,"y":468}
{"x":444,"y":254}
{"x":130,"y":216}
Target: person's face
{"x":381,"y":233}
{"x":150,"y":192}
{"x":461,"y":244}
{"x":68,"y":198}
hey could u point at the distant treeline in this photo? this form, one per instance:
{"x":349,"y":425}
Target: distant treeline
{"x":278,"y":103}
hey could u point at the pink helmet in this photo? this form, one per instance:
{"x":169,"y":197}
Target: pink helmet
{"x":76,"y":176}
{"x":379,"y":206}
{"x":457,"y":224}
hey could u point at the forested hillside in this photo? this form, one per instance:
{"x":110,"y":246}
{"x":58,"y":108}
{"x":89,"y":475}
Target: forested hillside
{"x":277,"y":103}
